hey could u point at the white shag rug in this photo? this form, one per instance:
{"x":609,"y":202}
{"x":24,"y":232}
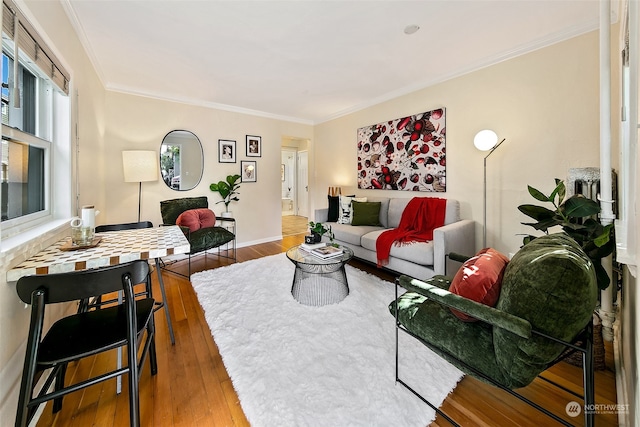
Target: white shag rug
{"x":333,"y":366}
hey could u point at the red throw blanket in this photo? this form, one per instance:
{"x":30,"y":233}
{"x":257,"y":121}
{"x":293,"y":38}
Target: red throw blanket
{"x":421,"y":216}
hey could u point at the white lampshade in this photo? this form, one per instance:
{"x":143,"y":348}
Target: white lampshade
{"x":140,"y":166}
{"x":485,"y":140}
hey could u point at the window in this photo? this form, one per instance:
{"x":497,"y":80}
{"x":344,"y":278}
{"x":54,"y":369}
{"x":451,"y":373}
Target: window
{"x":35,"y":126}
{"x":22,"y":179}
{"x":626,"y":226}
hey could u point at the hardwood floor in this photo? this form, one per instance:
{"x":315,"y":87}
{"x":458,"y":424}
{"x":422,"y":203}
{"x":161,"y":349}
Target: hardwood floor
{"x":192,"y":387}
{"x":294,"y":224}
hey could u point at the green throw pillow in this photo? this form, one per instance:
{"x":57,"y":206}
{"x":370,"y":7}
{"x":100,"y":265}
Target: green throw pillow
{"x":366,"y":213}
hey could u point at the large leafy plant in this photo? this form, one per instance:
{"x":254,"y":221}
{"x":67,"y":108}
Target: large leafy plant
{"x":228,"y":190}
{"x":577,"y":216}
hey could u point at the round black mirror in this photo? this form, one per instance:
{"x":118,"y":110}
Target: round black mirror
{"x":181,"y":160}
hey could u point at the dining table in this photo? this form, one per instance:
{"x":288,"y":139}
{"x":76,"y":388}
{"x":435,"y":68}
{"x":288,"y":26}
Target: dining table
{"x":113,"y":247}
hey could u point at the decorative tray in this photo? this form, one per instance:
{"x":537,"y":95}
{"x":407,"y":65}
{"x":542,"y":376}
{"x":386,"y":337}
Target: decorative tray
{"x":69,"y":246}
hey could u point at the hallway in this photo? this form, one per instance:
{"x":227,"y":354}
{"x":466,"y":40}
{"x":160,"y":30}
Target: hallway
{"x":294,"y":224}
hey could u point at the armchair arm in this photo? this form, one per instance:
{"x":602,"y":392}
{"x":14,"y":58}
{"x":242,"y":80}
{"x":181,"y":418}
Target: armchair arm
{"x":490,"y":315}
{"x":460,"y":237}
{"x":321,"y":215}
{"x":458,"y":257}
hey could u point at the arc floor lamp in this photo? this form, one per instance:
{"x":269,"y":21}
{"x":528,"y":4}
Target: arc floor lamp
{"x":486,"y":140}
{"x":140,"y":166}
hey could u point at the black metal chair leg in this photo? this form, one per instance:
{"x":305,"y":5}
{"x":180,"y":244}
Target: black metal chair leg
{"x":153,"y":361}
{"x":589,"y":379}
{"x":165,"y":302}
{"x":57,"y":403}
{"x":134,"y":400}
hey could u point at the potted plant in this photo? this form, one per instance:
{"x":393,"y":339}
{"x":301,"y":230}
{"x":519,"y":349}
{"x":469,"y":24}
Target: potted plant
{"x":228,"y":191}
{"x":318,"y":230}
{"x":578,"y":218}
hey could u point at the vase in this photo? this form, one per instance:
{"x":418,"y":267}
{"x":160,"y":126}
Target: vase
{"x":227,"y":214}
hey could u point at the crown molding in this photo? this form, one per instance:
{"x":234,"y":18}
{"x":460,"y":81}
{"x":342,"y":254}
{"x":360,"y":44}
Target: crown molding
{"x":206,"y":104}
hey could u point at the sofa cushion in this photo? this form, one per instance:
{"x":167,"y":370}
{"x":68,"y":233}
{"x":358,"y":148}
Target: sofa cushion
{"x":334,"y":208}
{"x":479,"y":279}
{"x":384,"y":209}
{"x":195,"y":219}
{"x":551,"y":283}
{"x":346,"y":210}
{"x":396,"y":207}
{"x":209,"y":237}
{"x":420,"y":253}
{"x":352,"y":234}
{"x":366,"y":213}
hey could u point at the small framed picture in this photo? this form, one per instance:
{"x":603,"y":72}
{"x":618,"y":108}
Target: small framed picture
{"x":254,"y":146}
{"x":248,"y":170}
{"x":226,"y":151}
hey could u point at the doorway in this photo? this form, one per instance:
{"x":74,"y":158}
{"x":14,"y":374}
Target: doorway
{"x":295,"y":187}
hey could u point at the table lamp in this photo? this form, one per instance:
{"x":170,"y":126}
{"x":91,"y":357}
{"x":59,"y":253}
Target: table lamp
{"x":140,"y":166}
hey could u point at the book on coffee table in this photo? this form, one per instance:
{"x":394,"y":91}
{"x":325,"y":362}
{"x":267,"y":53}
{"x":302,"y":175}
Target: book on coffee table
{"x":327,"y":252}
{"x":311,"y":246}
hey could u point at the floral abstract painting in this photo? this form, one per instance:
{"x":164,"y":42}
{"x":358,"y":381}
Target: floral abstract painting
{"x":407,"y":154}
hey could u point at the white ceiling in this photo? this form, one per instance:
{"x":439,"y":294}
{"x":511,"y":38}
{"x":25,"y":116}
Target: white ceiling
{"x":309,"y":60}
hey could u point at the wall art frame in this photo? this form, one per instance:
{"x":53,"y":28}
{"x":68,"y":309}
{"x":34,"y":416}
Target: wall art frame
{"x":254,"y":146}
{"x":226,"y":151}
{"x":248,"y":171}
{"x":406,"y":154}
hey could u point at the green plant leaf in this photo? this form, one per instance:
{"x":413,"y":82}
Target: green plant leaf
{"x":538,"y":195}
{"x":601,"y":276}
{"x":605,"y":237}
{"x":536,"y":212}
{"x":544,"y":225}
{"x":560,"y":191}
{"x":231,"y":179}
{"x":578,"y":206}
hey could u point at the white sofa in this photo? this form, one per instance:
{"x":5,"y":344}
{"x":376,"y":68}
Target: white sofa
{"x":419,"y":259}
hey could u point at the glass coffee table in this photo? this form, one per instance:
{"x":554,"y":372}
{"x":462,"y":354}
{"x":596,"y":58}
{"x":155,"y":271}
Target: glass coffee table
{"x":318,"y":281}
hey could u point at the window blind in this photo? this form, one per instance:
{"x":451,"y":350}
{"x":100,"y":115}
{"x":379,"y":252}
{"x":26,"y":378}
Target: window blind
{"x":32,"y":45}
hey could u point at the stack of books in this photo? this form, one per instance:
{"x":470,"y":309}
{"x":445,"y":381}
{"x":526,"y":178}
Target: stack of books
{"x":321,"y":250}
{"x":308,"y":247}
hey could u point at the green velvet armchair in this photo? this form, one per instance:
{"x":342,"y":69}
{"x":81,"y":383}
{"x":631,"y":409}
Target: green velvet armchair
{"x":202,"y":239}
{"x":545,"y":309}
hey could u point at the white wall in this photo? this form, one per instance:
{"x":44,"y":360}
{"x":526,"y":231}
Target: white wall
{"x":139,"y":123}
{"x":544,"y":103}
{"x":51,"y":22}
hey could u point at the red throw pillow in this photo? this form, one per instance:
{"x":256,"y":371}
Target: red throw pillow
{"x":479,"y":279}
{"x":195,"y":219}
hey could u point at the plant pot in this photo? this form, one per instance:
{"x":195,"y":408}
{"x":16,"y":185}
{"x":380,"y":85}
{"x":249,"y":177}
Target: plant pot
{"x":227,"y":214}
{"x":317,"y":237}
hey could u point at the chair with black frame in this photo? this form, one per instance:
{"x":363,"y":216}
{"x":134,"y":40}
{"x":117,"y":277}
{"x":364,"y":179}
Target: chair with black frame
{"x":84,"y":334}
{"x":197,"y":222}
{"x":544,"y":312}
{"x":105,"y":228}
